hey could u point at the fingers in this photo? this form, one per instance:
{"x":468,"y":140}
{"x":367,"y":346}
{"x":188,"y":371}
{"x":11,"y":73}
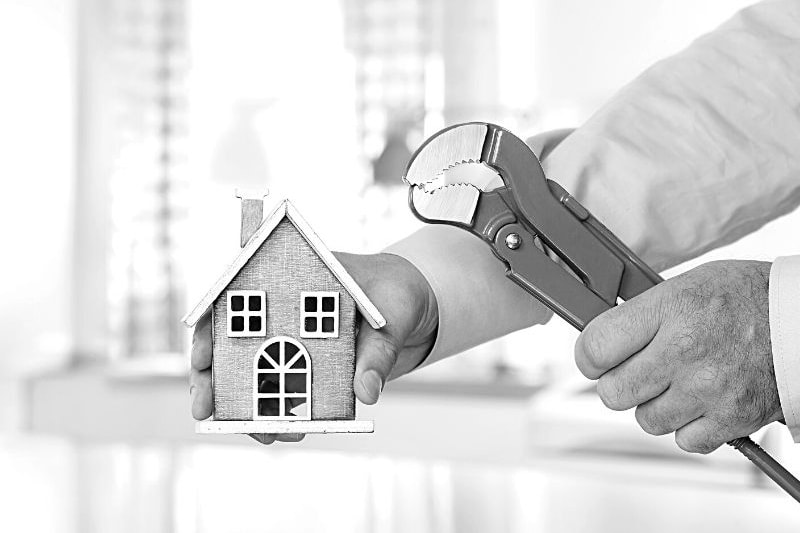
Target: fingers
{"x":290,"y":437}
{"x":201,"y":343}
{"x":667,"y":413}
{"x":703,"y":435}
{"x":200,"y":390}
{"x":615,"y":335}
{"x":269,"y":438}
{"x":376,"y":355}
{"x":636,"y":380}
{"x":200,"y":377}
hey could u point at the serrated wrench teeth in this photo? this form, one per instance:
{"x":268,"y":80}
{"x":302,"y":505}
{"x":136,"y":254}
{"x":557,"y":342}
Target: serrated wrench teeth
{"x":451,"y":203}
{"x":454,"y":146}
{"x":479,"y":175}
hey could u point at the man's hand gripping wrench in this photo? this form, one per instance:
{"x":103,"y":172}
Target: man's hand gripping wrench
{"x":530,"y":222}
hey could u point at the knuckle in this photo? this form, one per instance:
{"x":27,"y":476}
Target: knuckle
{"x":751,"y":407}
{"x":706,"y":380}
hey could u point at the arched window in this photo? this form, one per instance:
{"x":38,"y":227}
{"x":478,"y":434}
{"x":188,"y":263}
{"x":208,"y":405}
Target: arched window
{"x":282,"y":381}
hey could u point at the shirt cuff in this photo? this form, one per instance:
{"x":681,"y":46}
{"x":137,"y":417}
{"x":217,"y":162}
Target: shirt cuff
{"x":784,"y":325}
{"x":476,"y":302}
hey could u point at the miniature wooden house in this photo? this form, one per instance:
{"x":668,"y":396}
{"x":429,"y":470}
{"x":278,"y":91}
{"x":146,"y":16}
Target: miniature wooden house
{"x":284,"y":329}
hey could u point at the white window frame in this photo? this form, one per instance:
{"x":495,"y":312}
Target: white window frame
{"x":246,"y":313}
{"x":283,"y":368}
{"x":319,"y":314}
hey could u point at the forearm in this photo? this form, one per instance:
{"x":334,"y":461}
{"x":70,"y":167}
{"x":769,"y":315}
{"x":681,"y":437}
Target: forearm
{"x":476,"y":302}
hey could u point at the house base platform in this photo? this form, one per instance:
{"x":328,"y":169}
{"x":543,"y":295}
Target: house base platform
{"x":281,"y":426}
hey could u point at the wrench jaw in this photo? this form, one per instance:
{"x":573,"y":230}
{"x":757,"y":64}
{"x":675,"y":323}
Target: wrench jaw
{"x":453,"y":195}
{"x":453,"y":204}
{"x":450,"y":147}
{"x":446,"y":175}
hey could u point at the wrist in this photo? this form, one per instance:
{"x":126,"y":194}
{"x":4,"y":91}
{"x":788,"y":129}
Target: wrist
{"x":422,"y":299}
{"x":428,"y":323}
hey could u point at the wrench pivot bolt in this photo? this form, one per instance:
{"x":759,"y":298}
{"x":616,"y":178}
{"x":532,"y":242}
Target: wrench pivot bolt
{"x":513,"y":241}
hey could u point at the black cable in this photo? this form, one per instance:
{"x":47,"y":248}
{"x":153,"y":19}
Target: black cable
{"x":767,"y":464}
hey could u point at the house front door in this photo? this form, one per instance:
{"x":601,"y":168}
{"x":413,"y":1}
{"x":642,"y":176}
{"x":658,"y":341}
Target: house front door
{"x":282,"y":381}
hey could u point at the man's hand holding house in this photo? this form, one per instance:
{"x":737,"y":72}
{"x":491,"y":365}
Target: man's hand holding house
{"x":405,"y":299}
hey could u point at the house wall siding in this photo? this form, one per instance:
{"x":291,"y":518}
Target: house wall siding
{"x":284,"y":266}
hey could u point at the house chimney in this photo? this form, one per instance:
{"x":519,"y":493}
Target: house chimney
{"x":252,"y":211}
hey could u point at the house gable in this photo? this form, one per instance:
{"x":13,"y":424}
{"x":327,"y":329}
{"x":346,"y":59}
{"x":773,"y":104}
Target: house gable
{"x":286,"y":210}
{"x":284,"y":266}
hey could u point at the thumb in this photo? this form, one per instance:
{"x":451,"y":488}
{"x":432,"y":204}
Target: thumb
{"x":376,"y":355}
{"x":615,"y":335}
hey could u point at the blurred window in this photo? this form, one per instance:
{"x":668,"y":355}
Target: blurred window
{"x":133,"y":155}
{"x":390,"y":41}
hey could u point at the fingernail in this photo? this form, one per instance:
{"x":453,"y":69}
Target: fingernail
{"x":191,"y":390}
{"x":373,"y":384}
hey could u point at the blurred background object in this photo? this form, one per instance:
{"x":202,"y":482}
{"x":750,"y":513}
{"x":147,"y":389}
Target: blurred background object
{"x":145,"y":53}
{"x":128,"y":123}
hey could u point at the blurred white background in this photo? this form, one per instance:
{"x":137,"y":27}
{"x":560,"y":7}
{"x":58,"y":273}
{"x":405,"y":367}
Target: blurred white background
{"x":127,"y":124}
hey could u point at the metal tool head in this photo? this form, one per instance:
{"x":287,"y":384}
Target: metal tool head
{"x":447,"y":175}
{"x":527,"y":203}
{"x":450,"y":147}
{"x":449,"y":203}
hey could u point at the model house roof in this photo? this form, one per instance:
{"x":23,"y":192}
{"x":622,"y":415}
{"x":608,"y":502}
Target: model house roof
{"x":286,"y":210}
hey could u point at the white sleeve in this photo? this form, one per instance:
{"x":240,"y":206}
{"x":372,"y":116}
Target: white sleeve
{"x":699,"y":150}
{"x":702,"y":148}
{"x":784,"y":326}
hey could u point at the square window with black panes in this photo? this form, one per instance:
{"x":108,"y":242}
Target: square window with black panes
{"x":319,"y":314}
{"x":247,"y":313}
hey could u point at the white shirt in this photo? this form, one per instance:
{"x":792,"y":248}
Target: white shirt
{"x":698,"y":151}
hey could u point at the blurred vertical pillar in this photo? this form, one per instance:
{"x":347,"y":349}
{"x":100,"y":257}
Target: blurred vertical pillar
{"x":131,"y":217}
{"x":390,"y":41}
{"x":91,"y":239}
{"x":469,"y":51}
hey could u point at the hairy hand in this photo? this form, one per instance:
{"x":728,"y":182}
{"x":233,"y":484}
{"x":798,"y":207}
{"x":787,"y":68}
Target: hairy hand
{"x":404,"y":298}
{"x":693,"y":355}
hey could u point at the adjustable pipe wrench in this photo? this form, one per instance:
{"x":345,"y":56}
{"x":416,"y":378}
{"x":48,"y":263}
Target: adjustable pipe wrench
{"x":529,"y":222}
